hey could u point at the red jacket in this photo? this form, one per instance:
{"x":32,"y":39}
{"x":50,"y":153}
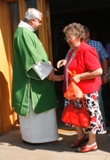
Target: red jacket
{"x":85,"y":59}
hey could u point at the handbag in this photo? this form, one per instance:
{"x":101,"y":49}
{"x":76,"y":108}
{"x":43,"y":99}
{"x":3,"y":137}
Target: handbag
{"x":76,"y":116}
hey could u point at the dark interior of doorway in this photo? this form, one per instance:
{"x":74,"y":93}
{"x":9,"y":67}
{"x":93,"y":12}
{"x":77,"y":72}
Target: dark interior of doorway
{"x":64,"y":12}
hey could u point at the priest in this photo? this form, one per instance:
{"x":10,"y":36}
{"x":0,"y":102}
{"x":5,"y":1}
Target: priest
{"x":33,"y":93}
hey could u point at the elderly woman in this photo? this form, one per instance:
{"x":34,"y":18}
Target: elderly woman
{"x":84,"y":60}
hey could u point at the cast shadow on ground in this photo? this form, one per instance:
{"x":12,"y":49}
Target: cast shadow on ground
{"x":66,"y":137}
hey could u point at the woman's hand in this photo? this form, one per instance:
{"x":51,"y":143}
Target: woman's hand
{"x":61,"y":63}
{"x":76,"y":78}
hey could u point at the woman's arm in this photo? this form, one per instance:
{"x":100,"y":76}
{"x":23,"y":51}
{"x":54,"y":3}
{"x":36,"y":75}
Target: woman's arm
{"x":87,"y":75}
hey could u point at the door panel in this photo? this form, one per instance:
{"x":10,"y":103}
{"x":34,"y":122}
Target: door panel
{"x":7,"y":115}
{"x":14,"y":18}
{"x":45,"y":28}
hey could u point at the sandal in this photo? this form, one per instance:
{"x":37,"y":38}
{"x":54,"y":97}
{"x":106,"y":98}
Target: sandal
{"x":87,"y":148}
{"x":78,"y":142}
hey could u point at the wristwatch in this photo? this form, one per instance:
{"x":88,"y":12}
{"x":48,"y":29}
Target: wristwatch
{"x":105,"y":74}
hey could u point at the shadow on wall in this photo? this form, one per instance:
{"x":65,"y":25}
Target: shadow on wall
{"x":5,"y":109}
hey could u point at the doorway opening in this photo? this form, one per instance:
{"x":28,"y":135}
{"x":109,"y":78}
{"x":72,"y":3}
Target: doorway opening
{"x":90,"y":13}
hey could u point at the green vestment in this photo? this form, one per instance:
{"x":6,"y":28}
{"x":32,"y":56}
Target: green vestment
{"x":27,"y":86}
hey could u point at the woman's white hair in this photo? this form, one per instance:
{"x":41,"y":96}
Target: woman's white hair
{"x":32,"y":13}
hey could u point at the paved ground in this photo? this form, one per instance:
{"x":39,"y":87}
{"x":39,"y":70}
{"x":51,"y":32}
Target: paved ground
{"x":12,"y":147}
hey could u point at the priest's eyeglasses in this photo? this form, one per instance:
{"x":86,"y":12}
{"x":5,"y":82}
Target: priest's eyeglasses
{"x":40,"y":21}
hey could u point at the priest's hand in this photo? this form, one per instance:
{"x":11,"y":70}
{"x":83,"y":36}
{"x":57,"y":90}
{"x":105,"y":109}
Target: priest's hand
{"x":51,"y":75}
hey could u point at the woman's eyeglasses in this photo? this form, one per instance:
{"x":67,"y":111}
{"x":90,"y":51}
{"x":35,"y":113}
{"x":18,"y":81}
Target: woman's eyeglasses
{"x":69,"y":38}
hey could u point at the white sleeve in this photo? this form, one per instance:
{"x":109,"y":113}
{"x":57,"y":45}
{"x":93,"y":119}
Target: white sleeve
{"x":43,"y":69}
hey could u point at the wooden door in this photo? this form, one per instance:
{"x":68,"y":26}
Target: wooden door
{"x":8,"y":118}
{"x":45,"y":28}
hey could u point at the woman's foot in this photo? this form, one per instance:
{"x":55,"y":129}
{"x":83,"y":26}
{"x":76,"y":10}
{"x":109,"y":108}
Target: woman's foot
{"x":87,"y":148}
{"x":78,"y":142}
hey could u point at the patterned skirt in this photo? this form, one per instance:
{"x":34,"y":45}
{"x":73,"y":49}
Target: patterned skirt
{"x":91,"y":103}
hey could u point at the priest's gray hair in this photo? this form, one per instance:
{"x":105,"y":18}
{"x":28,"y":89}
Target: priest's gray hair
{"x":32,"y":13}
